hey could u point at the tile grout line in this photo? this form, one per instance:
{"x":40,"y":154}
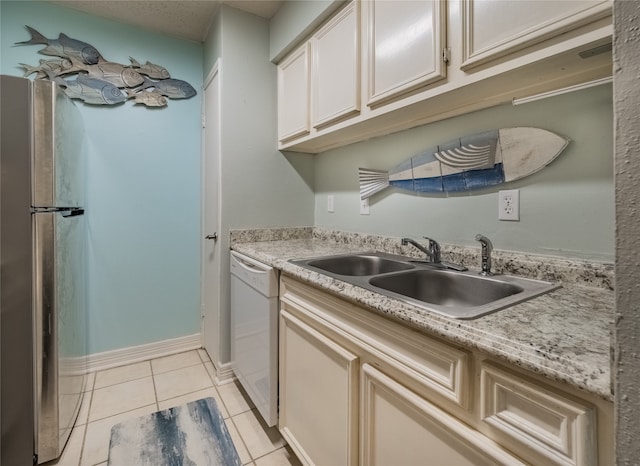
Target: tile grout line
{"x":174,"y":369}
{"x":269,"y":453}
{"x":86,"y":422}
{"x":244,"y":443}
{"x":188,"y":393}
{"x":213,"y":382}
{"x":226,"y":408}
{"x":153,"y":381}
{"x":124,"y":381}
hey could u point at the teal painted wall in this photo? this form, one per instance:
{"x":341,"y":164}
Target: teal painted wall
{"x":143,"y":179}
{"x":566,"y":209}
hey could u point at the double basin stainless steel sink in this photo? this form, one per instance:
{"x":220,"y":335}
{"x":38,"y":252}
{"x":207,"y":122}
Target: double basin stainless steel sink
{"x":461,"y":295}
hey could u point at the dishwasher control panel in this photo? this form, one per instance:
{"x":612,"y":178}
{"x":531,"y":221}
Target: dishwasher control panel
{"x":260,"y":276}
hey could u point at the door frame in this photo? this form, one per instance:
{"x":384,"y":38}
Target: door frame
{"x":214,"y":353}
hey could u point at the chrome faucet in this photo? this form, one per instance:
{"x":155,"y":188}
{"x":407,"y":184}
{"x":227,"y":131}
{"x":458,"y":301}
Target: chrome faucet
{"x":433,"y":254}
{"x":487,"y":247}
{"x":432,"y":251}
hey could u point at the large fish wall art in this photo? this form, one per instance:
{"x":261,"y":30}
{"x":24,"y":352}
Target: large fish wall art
{"x":469,"y":163}
{"x":85,"y":74}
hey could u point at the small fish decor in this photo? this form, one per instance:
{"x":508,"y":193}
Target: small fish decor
{"x":92,"y":90}
{"x":172,"y":88}
{"x":149,"y":69}
{"x":99,"y":81}
{"x":55,"y":67}
{"x":148,"y":98}
{"x":469,"y":163}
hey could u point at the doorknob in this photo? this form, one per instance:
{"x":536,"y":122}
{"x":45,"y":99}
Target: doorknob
{"x":213,"y":237}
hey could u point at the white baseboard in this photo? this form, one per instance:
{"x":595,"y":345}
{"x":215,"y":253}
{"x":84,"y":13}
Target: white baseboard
{"x":123,"y":356}
{"x":224,"y":373}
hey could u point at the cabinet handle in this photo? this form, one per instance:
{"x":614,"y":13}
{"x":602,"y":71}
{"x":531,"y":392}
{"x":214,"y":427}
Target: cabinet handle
{"x":213,"y":237}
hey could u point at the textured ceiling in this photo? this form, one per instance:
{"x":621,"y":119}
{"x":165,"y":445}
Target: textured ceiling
{"x":186,"y":19}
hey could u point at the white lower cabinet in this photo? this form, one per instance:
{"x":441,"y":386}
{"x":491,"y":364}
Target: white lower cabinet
{"x":546,"y":423}
{"x":399,"y":427}
{"x":318,"y":389}
{"x":359,"y":389}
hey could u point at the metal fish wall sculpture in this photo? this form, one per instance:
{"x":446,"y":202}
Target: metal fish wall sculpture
{"x":119,"y":75}
{"x":64,"y":46}
{"x":91,"y":90}
{"x":148,"y":98}
{"x":471,"y":162}
{"x":172,"y":88}
{"x":102,"y":82}
{"x":151,"y":70}
{"x":55,"y":66}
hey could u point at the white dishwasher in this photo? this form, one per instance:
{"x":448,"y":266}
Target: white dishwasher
{"x":254,"y":332}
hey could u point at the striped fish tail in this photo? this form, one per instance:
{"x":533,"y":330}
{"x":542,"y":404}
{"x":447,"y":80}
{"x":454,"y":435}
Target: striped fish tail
{"x":372,"y":181}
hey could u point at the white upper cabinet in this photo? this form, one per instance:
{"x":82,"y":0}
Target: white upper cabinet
{"x":381,"y":66}
{"x":336,"y":68}
{"x":406,"y":44}
{"x":293,"y":95}
{"x":495,"y":28}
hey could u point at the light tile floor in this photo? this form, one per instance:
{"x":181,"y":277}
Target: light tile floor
{"x":121,"y":393}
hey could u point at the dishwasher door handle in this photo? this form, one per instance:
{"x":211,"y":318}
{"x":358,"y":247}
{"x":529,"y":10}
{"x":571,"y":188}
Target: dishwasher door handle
{"x":251,"y":267}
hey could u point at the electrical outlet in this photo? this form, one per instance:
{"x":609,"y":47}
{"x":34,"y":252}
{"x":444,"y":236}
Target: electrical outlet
{"x":509,"y":205}
{"x":330,"y":203}
{"x":364,"y":206}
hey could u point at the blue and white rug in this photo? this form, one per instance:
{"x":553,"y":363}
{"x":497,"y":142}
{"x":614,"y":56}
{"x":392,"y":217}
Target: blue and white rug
{"x":193,"y":434}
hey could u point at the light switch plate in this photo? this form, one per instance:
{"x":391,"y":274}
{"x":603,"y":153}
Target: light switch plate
{"x":330,"y":203}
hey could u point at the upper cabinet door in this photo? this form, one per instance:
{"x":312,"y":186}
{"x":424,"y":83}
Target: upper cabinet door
{"x":336,"y":68}
{"x":293,"y":95}
{"x":494,"y":28}
{"x":406,"y":45}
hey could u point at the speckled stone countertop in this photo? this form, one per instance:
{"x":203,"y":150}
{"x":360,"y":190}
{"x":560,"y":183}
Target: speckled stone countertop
{"x":563,"y":335}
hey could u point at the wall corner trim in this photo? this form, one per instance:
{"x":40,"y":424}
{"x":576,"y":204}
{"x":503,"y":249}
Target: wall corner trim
{"x":133,"y":354}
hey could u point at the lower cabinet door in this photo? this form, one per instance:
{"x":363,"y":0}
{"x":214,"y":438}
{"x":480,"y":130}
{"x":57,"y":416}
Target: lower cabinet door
{"x":318,"y":395}
{"x":399,"y":427}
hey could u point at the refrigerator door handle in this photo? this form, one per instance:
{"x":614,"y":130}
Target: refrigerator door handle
{"x":72,"y":212}
{"x":64,"y":211}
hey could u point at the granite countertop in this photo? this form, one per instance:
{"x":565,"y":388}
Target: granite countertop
{"x":563,"y":335}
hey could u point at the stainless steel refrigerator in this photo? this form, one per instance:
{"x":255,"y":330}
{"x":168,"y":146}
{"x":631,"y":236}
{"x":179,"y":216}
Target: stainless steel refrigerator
{"x":42,"y":281}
